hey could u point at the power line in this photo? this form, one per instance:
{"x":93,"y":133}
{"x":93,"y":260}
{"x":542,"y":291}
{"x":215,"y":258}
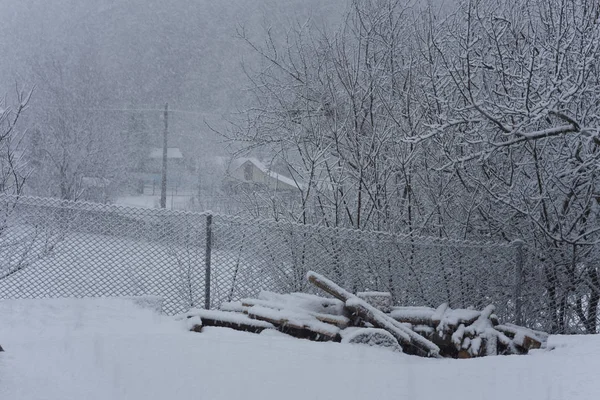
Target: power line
{"x":201,"y":113}
{"x":161,"y":110}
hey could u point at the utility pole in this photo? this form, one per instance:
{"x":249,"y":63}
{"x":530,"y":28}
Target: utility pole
{"x":163,"y":189}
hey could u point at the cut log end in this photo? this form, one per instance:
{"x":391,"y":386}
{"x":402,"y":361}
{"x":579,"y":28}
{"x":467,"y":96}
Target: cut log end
{"x":371,"y":337}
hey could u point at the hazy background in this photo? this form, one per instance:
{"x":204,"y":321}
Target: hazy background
{"x":103,"y":70}
{"x":141,"y":54}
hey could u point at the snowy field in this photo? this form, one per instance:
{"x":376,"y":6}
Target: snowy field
{"x":102,"y":265}
{"x":174,"y":202}
{"x":63,"y":349}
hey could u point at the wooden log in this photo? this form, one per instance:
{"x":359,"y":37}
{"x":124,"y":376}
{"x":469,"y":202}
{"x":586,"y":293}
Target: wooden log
{"x":380,"y":300}
{"x":238,"y":326}
{"x":494,"y":319}
{"x":476,"y":346}
{"x":296,"y":324}
{"x":527,"y":342}
{"x":444,"y":342}
{"x":320,"y":304}
{"x":505,"y":345}
{"x":340,"y":321}
{"x":448,"y":320}
{"x":413,"y":315}
{"x":234,"y":306}
{"x":194,"y":324}
{"x":488,"y":311}
{"x":329,"y":286}
{"x":440,"y":339}
{"x":304,"y":301}
{"x":436,"y":318}
{"x":224,"y":319}
{"x":490,"y":345}
{"x":466,"y":344}
{"x":476,"y":333}
{"x":521,"y":337}
{"x":424,"y":330}
{"x":411,"y":342}
{"x":542,"y":336}
{"x":465,"y":317}
{"x":458,"y":336}
{"x":379,"y":320}
{"x":464,"y":354}
{"x":262,"y":303}
{"x":370,"y":337}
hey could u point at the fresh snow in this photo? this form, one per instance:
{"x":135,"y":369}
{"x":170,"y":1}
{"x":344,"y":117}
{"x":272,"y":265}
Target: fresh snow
{"x":99,"y":349}
{"x":174,"y":201}
{"x":370,"y":337}
{"x":295,"y":318}
{"x":302,"y":301}
{"x":413,"y":313}
{"x":225,"y":316}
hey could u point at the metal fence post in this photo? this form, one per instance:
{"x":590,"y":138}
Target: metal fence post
{"x":519,"y":260}
{"x":207,"y":260}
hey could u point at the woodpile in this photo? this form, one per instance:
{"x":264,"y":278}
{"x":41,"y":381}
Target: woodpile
{"x":369,"y":318}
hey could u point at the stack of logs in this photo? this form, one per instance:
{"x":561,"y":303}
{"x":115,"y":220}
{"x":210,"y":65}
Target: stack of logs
{"x":369,"y":318}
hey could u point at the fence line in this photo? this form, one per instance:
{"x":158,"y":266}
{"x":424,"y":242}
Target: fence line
{"x":54,"y":248}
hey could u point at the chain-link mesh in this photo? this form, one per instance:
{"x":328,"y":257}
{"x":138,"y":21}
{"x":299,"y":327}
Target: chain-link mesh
{"x":250,"y":256}
{"x":53,"y":248}
{"x":561,"y":289}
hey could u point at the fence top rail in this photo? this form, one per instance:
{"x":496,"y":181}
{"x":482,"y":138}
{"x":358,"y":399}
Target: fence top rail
{"x":419,"y":240}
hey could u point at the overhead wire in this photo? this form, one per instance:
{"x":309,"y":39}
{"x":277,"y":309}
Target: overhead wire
{"x":201,"y":113}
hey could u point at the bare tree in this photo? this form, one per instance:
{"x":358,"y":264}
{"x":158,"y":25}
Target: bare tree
{"x":333,"y":107}
{"x":76,"y":142}
{"x":477,"y":121}
{"x":520,"y":126}
{"x":13,"y":168}
{"x":20,"y":244}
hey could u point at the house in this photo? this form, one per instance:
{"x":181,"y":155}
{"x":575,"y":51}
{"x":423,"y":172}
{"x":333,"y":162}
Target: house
{"x":241,"y":184}
{"x":251,"y":171}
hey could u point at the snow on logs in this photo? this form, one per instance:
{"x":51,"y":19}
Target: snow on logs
{"x":411,"y":342}
{"x":368,"y":318}
{"x":197,"y":318}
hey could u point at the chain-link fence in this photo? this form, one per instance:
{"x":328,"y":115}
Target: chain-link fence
{"x":53,"y":248}
{"x":266,"y":255}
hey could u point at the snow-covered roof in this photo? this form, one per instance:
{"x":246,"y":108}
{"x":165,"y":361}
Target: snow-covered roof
{"x":172,"y":152}
{"x":238,"y":162}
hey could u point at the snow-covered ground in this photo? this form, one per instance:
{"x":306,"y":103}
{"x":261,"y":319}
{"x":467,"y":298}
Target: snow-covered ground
{"x":62,"y":349}
{"x":84,"y":264}
{"x":174,"y":201}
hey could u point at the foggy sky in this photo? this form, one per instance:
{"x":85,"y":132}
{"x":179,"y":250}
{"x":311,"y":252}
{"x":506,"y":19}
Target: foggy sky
{"x":142,"y":53}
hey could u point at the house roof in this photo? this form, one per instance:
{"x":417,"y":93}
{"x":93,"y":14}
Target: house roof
{"x":172,"y":152}
{"x":238,"y":162}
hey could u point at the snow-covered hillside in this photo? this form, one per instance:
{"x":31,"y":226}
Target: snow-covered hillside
{"x":64,"y":349}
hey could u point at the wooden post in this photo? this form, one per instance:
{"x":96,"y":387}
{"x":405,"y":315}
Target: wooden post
{"x":163,"y":189}
{"x":207,"y":261}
